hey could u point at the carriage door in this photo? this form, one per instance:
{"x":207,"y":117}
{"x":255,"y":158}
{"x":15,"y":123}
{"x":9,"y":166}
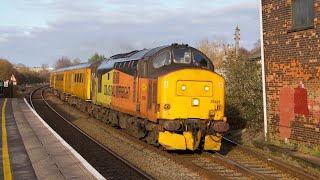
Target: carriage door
{"x":142,"y":90}
{"x":93,"y":84}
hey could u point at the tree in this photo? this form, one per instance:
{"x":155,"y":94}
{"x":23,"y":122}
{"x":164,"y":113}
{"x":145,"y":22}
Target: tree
{"x":257,"y":48}
{"x":244,"y":104}
{"x":214,"y":50}
{"x":63,"y":62}
{"x":25,"y":76}
{"x":6,"y":69}
{"x":44,"y":67}
{"x":76,"y":61}
{"x":96,"y":57}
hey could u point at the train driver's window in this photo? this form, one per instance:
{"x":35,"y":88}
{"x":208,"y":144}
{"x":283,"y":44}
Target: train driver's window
{"x":199,"y":60}
{"x":162,"y":59}
{"x":182,"y":55}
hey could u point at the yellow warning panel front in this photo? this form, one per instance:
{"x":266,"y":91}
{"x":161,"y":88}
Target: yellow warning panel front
{"x":191,"y":141}
{"x":212,"y":143}
{"x":172,"y":141}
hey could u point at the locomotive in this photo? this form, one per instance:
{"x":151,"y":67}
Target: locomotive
{"x":168,"y":95}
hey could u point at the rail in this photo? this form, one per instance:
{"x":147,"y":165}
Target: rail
{"x":144,"y":174}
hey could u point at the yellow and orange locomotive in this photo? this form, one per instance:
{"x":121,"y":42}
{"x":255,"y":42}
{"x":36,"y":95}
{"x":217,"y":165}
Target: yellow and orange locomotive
{"x":168,"y":95}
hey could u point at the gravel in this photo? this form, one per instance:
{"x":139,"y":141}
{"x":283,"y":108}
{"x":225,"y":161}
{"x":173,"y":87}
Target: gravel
{"x":152,"y":160}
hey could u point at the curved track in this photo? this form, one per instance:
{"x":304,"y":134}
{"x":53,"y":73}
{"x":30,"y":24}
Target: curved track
{"x":106,"y":162}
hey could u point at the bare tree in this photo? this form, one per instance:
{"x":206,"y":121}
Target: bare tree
{"x":44,"y":67}
{"x":76,"y":61}
{"x":257,"y":48}
{"x":63,"y":62}
{"x":6,"y":69}
{"x":214,"y":50}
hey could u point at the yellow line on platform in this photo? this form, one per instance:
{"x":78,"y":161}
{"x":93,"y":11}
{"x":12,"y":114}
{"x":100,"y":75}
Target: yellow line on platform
{"x":5,"y":153}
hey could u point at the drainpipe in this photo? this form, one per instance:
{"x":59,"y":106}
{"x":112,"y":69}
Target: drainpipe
{"x":265,"y":118}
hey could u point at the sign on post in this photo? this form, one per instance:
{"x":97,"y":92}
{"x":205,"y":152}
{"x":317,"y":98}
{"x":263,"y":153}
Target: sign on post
{"x":13,"y":80}
{"x":6,"y":83}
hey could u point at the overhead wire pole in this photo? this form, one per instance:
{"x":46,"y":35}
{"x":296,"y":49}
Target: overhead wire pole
{"x":265,"y":117}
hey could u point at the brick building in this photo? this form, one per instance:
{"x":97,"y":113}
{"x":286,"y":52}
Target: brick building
{"x":291,"y":38}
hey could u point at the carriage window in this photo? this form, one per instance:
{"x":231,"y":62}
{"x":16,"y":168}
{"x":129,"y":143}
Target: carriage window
{"x":162,"y":59}
{"x":199,"y":60}
{"x":99,"y":83}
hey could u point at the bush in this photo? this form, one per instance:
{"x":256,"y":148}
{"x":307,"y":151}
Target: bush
{"x":244,"y":102}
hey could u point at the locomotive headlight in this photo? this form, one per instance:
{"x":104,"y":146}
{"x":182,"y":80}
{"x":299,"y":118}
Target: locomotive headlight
{"x":206,"y":88}
{"x":195,"y":102}
{"x":183,"y":87}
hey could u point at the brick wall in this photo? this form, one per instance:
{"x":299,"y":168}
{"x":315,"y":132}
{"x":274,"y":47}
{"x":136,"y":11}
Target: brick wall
{"x":292,"y":61}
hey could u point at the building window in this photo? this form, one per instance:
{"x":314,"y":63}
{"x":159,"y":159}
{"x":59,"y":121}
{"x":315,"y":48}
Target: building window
{"x":302,"y":13}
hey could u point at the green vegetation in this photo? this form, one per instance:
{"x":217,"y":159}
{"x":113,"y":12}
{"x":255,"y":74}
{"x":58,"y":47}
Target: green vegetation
{"x":244,"y":103}
{"x":96,"y":57}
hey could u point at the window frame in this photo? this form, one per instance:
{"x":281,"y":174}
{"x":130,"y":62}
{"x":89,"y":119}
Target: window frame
{"x":299,"y":27}
{"x":202,"y":55}
{"x":173,"y":55}
{"x":163,"y":52}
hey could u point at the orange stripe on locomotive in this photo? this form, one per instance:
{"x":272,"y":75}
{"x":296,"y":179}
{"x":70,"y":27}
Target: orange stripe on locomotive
{"x":173,"y":87}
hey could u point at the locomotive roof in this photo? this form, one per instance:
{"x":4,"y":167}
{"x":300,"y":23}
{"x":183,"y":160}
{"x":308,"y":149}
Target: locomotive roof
{"x":108,"y":64}
{"x":74,"y":67}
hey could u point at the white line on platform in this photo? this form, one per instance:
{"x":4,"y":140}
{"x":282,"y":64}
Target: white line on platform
{"x":88,"y":166}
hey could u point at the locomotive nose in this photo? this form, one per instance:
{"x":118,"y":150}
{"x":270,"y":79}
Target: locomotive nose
{"x":194,"y":88}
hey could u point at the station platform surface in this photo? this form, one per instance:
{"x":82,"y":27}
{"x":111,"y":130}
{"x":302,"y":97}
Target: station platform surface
{"x":30,"y":149}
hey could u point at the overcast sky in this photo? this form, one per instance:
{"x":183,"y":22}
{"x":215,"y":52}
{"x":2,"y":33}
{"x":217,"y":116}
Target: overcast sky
{"x":35,"y":32}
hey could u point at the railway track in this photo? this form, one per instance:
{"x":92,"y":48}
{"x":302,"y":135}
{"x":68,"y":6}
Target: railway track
{"x":260,"y":164}
{"x":233,"y":162}
{"x":238,"y":162}
{"x":106,"y":162}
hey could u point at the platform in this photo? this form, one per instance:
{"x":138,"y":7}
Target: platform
{"x":30,"y":149}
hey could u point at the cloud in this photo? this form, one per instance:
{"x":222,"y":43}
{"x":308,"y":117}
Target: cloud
{"x":108,"y":27}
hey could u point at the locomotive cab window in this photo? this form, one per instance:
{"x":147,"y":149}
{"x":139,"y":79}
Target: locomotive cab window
{"x":162,"y":59}
{"x":199,"y":60}
{"x":302,"y":13}
{"x":181,"y":55}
